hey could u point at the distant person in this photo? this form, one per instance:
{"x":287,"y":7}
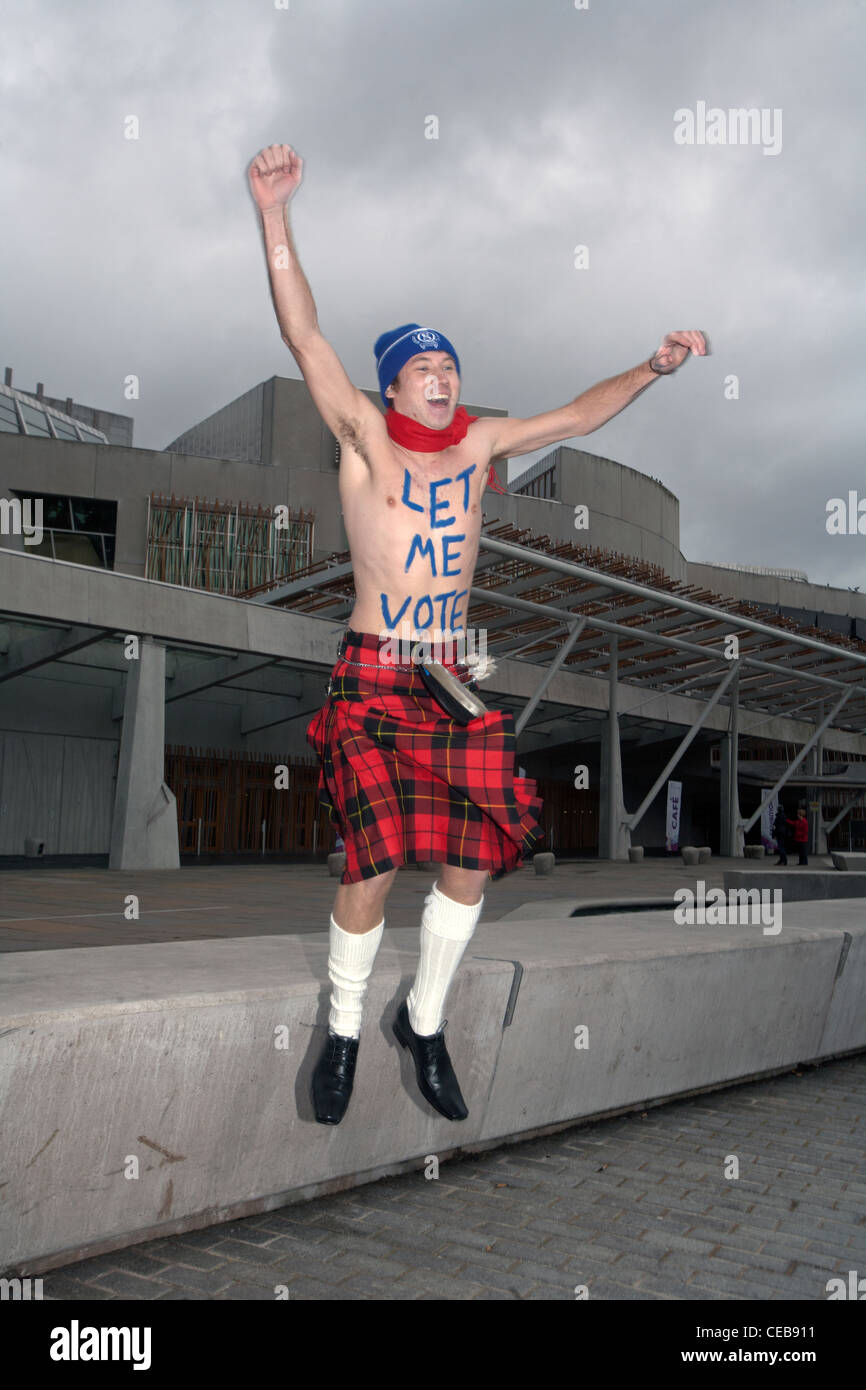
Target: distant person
{"x":801,"y":835}
{"x":780,"y":834}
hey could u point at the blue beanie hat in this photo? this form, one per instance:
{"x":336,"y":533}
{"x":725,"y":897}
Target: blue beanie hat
{"x":393,"y":350}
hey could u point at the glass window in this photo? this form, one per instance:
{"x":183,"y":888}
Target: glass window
{"x":76,"y":528}
{"x":63,"y":429}
{"x":34,"y":420}
{"x":8,"y":417}
{"x":91,"y":514}
{"x":81,"y":549}
{"x":44,"y":547}
{"x":56,"y":511}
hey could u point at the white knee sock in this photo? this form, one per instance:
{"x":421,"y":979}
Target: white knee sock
{"x":350,"y":960}
{"x":446,"y":928}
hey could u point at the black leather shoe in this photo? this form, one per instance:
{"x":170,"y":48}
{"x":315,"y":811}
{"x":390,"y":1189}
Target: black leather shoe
{"x":333,"y":1077}
{"x":433,"y":1068}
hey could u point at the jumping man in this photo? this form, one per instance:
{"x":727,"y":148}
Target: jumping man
{"x":404,"y":781}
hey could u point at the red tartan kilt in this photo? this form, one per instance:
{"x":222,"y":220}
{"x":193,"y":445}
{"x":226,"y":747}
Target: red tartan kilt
{"x":405,"y":783}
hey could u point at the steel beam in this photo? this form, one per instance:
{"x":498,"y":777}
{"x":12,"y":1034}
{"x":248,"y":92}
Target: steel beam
{"x":633,"y":821}
{"x":300,"y":586}
{"x":534,"y":700}
{"x":735,"y":839}
{"x":547,"y":610}
{"x":614,"y":753}
{"x":52,"y":645}
{"x":627,"y":586}
{"x":792,"y":767}
{"x":849,"y":805}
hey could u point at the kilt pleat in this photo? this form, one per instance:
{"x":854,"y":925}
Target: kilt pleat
{"x":404,"y":783}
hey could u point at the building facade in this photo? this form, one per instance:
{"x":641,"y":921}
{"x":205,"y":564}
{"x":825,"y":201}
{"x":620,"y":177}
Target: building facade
{"x":155,"y":607}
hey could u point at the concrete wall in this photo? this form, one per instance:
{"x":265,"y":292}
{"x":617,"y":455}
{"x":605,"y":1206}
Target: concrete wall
{"x":806,"y":885}
{"x":232,"y":432}
{"x":819,"y":599}
{"x":58,"y":789}
{"x":277,"y":432}
{"x":628,"y":511}
{"x":194,"y":1058}
{"x":277,"y":452}
{"x":128,"y":475}
{"x":299,"y":437}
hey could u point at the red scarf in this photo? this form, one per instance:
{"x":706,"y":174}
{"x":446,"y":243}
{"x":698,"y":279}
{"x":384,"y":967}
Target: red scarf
{"x":423,"y":440}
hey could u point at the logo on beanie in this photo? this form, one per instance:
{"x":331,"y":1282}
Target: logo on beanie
{"x":425,"y":337}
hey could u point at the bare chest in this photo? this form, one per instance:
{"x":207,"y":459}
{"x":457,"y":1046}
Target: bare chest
{"x":413,"y":529}
{"x":406,"y":493}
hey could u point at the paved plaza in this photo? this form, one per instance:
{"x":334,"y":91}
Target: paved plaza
{"x":636,"y":1207}
{"x":48,"y":909}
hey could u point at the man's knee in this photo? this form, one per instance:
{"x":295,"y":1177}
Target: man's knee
{"x":463,"y":885}
{"x":359,"y":906}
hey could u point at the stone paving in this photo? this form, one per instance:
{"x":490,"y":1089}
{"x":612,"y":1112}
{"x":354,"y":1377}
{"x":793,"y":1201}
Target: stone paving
{"x":637,"y":1207}
{"x":47,"y":909}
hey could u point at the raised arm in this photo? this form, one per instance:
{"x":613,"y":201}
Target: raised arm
{"x":274,"y":176}
{"x":594,"y":407}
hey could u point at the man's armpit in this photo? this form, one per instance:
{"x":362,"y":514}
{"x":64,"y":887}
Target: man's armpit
{"x":350,"y":435}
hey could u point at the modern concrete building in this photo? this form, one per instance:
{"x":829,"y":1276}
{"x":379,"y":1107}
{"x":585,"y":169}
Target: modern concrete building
{"x":168,"y":620}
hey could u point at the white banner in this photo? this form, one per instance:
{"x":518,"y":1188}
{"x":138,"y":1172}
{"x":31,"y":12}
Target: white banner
{"x":768,"y":815}
{"x":672,"y":827}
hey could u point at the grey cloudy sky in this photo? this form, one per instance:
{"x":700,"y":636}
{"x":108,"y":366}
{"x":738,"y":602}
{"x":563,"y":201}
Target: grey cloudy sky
{"x":556,"y":128}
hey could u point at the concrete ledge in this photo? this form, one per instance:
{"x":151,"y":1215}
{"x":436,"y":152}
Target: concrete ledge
{"x":842,"y":859}
{"x":194,"y":1058}
{"x":799,"y":885}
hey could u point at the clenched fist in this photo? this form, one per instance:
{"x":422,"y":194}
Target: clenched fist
{"x":274,"y":175}
{"x":675,"y":347}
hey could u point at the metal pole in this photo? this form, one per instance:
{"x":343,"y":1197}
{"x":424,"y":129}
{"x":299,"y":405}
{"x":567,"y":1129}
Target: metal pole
{"x":613,"y":760}
{"x":747,"y":825}
{"x":851,"y":802}
{"x":641,"y":634}
{"x":818,"y":768}
{"x":634,"y":820}
{"x":626,"y":586}
{"x":534,"y":700}
{"x":734,"y":770}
